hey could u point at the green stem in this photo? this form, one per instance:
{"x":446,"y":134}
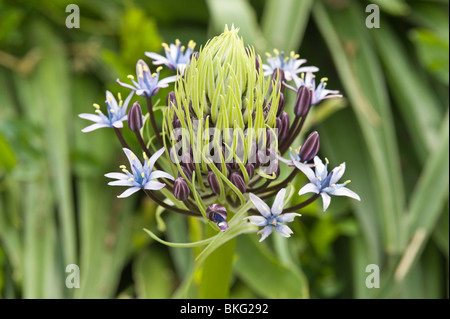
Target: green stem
{"x":217,"y":268}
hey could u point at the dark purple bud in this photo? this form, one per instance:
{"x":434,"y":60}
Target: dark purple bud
{"x":135,"y":122}
{"x":257,"y":63}
{"x":186,"y":161}
{"x":176,"y":123}
{"x":281,"y":104}
{"x":278,"y":74}
{"x":238,"y":181}
{"x":187,"y":172}
{"x":285,"y":125}
{"x":213,"y":182}
{"x":310,"y":148}
{"x":279,"y":125}
{"x":250,"y":168}
{"x":181,"y":189}
{"x":218,"y":214}
{"x":303,"y":101}
{"x":171,"y":99}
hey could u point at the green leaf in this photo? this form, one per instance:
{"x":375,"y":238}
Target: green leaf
{"x":284,"y":23}
{"x":433,"y":52}
{"x":265,"y":274}
{"x":239,"y":13}
{"x":7,"y":156}
{"x":394,"y":7}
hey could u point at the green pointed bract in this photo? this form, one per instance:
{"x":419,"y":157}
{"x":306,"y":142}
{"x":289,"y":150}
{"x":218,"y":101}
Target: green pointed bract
{"x":221,"y":89}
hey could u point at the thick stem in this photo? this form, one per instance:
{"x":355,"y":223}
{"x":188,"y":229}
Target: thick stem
{"x":217,"y":268}
{"x":120,"y":137}
{"x":168,"y":207}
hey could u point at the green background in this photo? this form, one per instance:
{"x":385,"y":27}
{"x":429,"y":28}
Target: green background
{"x":391,"y":128}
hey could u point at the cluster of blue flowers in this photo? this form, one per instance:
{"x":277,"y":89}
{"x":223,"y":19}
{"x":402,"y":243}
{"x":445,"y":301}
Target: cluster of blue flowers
{"x":148,"y":175}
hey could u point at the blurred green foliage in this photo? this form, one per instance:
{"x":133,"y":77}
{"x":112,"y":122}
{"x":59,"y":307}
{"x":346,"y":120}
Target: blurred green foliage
{"x":392,"y":129}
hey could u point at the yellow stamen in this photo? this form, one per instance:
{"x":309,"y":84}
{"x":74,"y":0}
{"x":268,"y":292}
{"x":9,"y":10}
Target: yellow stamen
{"x":119,"y":96}
{"x":98,"y":111}
{"x":131,"y":179}
{"x":182,"y":48}
{"x":144,"y":155}
{"x":130,"y":76}
{"x":120,"y":103}
{"x":276,"y":52}
{"x":323,"y":79}
{"x":122,"y":167}
{"x":177,"y":42}
{"x":110,"y":98}
{"x":96,"y":106}
{"x":159,"y":68}
{"x":319,"y":178}
{"x":133,"y":157}
{"x":191,"y":45}
{"x":327,"y":161}
{"x":142,"y":174}
{"x":268,"y":55}
{"x":145,"y":68}
{"x":332,"y":185}
{"x":347,"y":182}
{"x":166,"y":46}
{"x":292,"y":53}
{"x":125,"y":170}
{"x":111,"y":110}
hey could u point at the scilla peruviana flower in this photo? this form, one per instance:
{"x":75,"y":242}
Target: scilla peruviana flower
{"x":148,"y":84}
{"x":272,"y":218}
{"x":290,"y":65}
{"x":320,"y":93}
{"x":117,"y":113}
{"x":141,"y":176}
{"x":177,"y":56}
{"x":323,"y":183}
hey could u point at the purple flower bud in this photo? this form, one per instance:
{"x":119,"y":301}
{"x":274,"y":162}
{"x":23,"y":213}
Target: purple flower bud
{"x":171,"y":99}
{"x":213,"y":182}
{"x":310,"y":148}
{"x":181,"y":189}
{"x":238,"y":181}
{"x":285,"y":125}
{"x":135,"y":122}
{"x":278,"y":73}
{"x":250,"y":168}
{"x":186,"y":172}
{"x":281,"y":104}
{"x":218,"y":214}
{"x":303,"y":101}
{"x":279,"y":126}
{"x":186,"y":161}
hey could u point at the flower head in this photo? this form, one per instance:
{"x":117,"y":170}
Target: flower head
{"x":320,"y":92}
{"x":272,"y":218}
{"x":290,"y":65}
{"x":148,"y":84}
{"x":177,"y":56}
{"x":117,"y":113}
{"x":324,"y":183}
{"x":141,"y":176}
{"x":218,"y":214}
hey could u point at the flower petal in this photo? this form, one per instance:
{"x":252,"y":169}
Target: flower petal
{"x":337,"y":173}
{"x":278,"y":203}
{"x":160,"y":174}
{"x":265,"y":232}
{"x":154,"y":158}
{"x":135,"y":164}
{"x":122,"y":182}
{"x":257,"y":220}
{"x":309,"y":173}
{"x":129,"y":191}
{"x":90,"y":117}
{"x":321,"y":170}
{"x":309,"y":188}
{"x":326,"y":200}
{"x":260,"y":205}
{"x":118,"y":124}
{"x":93,"y":127}
{"x":117,"y":176}
{"x":287,"y":218}
{"x":344,"y":191}
{"x":284,"y":230}
{"x":154,"y":185}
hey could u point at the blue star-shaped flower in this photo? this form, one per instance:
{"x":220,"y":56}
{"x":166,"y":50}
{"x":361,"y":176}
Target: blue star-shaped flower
{"x":320,"y":92}
{"x":272,"y":218}
{"x":141,"y":176}
{"x":177,"y":56}
{"x":290,"y":65}
{"x":323,"y":183}
{"x":117,"y":113}
{"x":148,"y":84}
